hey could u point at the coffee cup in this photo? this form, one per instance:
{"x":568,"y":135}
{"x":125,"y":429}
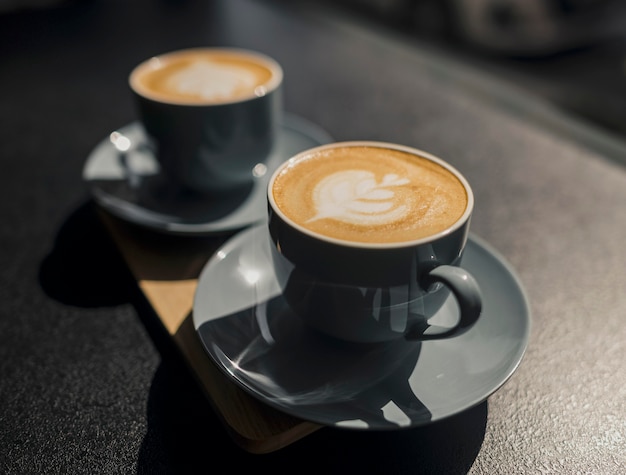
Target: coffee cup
{"x":211,"y":115}
{"x":367,"y":241}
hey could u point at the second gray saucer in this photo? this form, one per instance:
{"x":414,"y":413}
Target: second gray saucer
{"x":144,"y":198}
{"x":248,"y":330}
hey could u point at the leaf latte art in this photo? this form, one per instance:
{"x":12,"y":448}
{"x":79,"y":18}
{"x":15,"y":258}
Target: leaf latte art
{"x":354,"y":196}
{"x":212,"y":81}
{"x":205,"y":76}
{"x":369,"y":194}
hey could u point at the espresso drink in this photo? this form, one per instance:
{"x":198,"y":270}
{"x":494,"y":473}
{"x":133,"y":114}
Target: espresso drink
{"x":206,"y":76}
{"x":369,"y":194}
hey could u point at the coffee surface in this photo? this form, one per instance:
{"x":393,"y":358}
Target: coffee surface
{"x":202,"y":77}
{"x":369,"y":194}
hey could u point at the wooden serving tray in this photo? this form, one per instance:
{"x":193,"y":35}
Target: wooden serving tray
{"x":166,"y":269}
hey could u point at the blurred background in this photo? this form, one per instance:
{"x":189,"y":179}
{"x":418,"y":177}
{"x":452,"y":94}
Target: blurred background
{"x":571,"y":53}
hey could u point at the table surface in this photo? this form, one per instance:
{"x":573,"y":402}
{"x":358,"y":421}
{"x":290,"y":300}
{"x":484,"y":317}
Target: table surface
{"x":90,"y":382}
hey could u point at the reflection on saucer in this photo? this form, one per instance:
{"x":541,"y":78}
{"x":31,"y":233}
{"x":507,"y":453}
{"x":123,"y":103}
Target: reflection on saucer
{"x":249,"y":331}
{"x":142,"y":196}
{"x":158,"y":196}
{"x":269,"y":347}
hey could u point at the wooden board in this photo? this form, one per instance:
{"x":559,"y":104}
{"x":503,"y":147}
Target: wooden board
{"x":166,"y":269}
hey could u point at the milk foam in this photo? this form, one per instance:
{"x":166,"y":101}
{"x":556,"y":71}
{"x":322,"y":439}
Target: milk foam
{"x":206,"y":76}
{"x":354,"y":196}
{"x":211,"y":80}
{"x":369,"y":194}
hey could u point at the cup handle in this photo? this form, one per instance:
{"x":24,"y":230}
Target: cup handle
{"x":468,"y":295}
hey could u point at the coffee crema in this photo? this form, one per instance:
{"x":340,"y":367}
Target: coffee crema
{"x":206,"y":76}
{"x":369,"y":194}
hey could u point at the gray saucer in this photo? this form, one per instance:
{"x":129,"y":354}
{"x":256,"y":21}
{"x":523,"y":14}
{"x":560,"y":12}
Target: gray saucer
{"x":136,"y":192}
{"x":247,"y":329}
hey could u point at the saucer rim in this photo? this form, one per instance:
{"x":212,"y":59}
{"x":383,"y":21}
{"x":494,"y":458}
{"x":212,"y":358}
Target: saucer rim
{"x":134,"y":213}
{"x":522,"y":340}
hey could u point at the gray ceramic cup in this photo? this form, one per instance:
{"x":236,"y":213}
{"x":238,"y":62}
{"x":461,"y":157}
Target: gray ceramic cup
{"x":373,"y":292}
{"x":211,"y":115}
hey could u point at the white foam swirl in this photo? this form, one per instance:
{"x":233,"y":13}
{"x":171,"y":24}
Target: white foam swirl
{"x":212,"y":81}
{"x":354,"y":196}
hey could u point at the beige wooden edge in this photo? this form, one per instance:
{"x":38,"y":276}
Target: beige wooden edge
{"x":167,"y":270}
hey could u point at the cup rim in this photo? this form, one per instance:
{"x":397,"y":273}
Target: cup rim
{"x":459,"y":223}
{"x":153,"y":62}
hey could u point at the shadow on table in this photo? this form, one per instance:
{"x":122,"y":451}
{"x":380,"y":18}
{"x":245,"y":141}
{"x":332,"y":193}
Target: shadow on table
{"x":191,"y":437}
{"x":83,"y":267}
{"x":184,"y":435}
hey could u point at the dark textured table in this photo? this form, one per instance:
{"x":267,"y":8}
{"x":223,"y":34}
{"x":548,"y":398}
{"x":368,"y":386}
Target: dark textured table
{"x":89,"y":381}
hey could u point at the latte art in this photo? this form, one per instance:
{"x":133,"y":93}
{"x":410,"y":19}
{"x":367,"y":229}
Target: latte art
{"x":369,"y":194}
{"x":206,"y":76}
{"x":212,"y":81}
{"x":354,"y":196}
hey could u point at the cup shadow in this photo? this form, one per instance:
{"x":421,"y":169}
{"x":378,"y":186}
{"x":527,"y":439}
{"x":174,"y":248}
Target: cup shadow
{"x":162,"y":196}
{"x":84,"y":268}
{"x":159,"y":196}
{"x":297,"y":369}
{"x":184,"y":434}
